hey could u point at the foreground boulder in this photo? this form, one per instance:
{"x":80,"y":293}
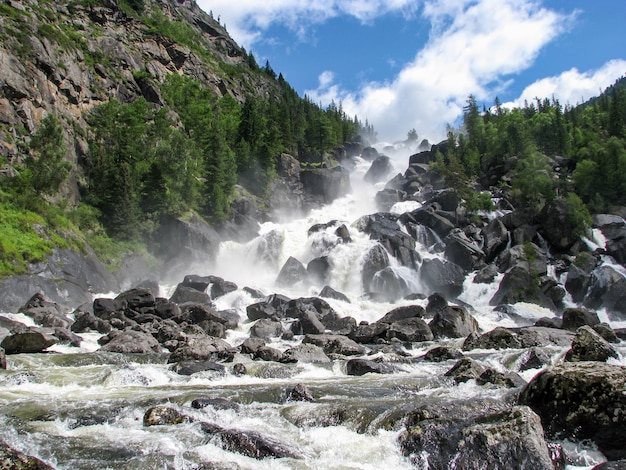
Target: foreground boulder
{"x":583,"y":400}
{"x":511,"y":438}
{"x":590,"y":346}
{"x":16,"y":460}
{"x":130,"y":341}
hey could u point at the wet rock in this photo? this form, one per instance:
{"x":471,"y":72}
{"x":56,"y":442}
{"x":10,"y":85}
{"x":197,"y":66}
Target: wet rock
{"x":221,"y":287}
{"x":65,"y":336}
{"x":248,"y":443}
{"x":251,"y":345}
{"x":299,"y":392}
{"x":376,"y":259}
{"x":574,"y":318}
{"x":369,"y":333}
{"x":520,"y":285}
{"x":292,"y":272}
{"x":137,"y":298}
{"x":3,"y":359}
{"x":130,"y":341}
{"x":579,"y":275}
{"x":193,"y":367}
{"x":607,"y":288}
{"x":308,"y":353}
{"x":216,"y":403}
{"x":184,"y":294}
{"x":535,"y":336}
{"x":557,"y":225}
{"x":388,"y":284}
{"x":616,"y":465}
{"x":267,"y":353}
{"x":590,"y":346}
{"x":331,"y":293}
{"x":384,"y":228}
{"x":335,"y":344}
{"x":605,"y":330}
{"x":503,"y":379}
{"x":442,"y":353}
{"x":498,"y":338}
{"x":463,"y":252}
{"x":582,"y":400}
{"x":486,"y":275}
{"x":323,"y":185}
{"x":534,"y":358}
{"x":86,"y":321}
{"x":378,"y":170}
{"x":107,"y":309}
{"x":511,"y":438}
{"x":271,"y":307}
{"x":410,"y":330}
{"x":163,"y":416}
{"x":401,"y":313}
{"x":465,"y":369}
{"x":318,"y":269}
{"x":199,"y":283}
{"x":495,"y":238}
{"x":453,"y":322}
{"x":15,"y":460}
{"x":32,"y":340}
{"x":442,"y":276}
{"x":529,"y":256}
{"x":45,"y":312}
{"x":266,"y":329}
{"x":431,"y":218}
{"x":364,"y":366}
{"x":239,"y":369}
{"x":198,"y":347}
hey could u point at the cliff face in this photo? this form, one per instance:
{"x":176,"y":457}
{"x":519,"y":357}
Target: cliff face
{"x":67,"y":57}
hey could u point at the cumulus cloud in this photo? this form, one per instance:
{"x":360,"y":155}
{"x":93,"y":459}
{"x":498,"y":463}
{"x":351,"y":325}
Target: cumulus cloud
{"x":247,"y":19}
{"x":473,"y":47}
{"x":572,"y":86}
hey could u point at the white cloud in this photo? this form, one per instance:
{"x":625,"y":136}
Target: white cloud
{"x":573,"y":87}
{"x":247,"y":19}
{"x":473,"y":46}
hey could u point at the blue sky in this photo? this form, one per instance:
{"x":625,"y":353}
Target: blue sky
{"x":404,"y":64}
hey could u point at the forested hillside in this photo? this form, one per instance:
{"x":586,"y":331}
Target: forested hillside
{"x":117,"y":113}
{"x":542,"y":151}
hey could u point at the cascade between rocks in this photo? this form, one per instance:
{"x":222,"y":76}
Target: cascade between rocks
{"x":342,"y":339}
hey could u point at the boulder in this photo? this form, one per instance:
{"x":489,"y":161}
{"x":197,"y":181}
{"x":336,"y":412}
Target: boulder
{"x":520,"y":285}
{"x":511,"y":438}
{"x":369,"y":333}
{"x":266,"y":329}
{"x":335,"y":344}
{"x":410,"y":330}
{"x":374,"y":260}
{"x":607,"y":288}
{"x":318,"y":269}
{"x":465,"y":369}
{"x":331,"y":293}
{"x":574,"y":318}
{"x":379,"y":170}
{"x":442,"y":353}
{"x":193,"y":367}
{"x":299,"y":392}
{"x":590,"y":346}
{"x":322,"y":185}
{"x":389,"y":285}
{"x":137,"y":298}
{"x":495,"y":238}
{"x":502,"y":379}
{"x":3,"y":359}
{"x":45,"y":312}
{"x":216,"y":403}
{"x":582,"y":400}
{"x":431,"y":218}
{"x":198,"y":346}
{"x":453,"y":322}
{"x":161,"y":415}
{"x":364,"y":366}
{"x":248,"y":443}
{"x":184,"y":294}
{"x":130,"y":341}
{"x":463,"y":252}
{"x":32,"y":340}
{"x":442,"y":276}
{"x":292,"y":272}
{"x":528,"y":256}
{"x":402,"y":312}
{"x":15,"y":460}
{"x":556,"y":224}
{"x":307,"y":353}
{"x":498,"y":338}
{"x":270,"y":354}
{"x":384,"y":228}
{"x":185,"y":239}
{"x":199,"y":283}
{"x":271,"y":307}
{"x":220,"y":287}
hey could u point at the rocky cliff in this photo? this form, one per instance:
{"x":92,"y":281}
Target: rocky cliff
{"x":68,"y":57}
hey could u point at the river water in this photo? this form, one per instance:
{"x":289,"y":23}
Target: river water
{"x":80,"y":409}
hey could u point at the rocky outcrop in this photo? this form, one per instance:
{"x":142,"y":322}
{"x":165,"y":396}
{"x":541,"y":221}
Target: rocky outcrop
{"x":322,"y":185}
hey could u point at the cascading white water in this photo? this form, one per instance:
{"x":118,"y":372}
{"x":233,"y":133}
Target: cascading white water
{"x":85,"y":410}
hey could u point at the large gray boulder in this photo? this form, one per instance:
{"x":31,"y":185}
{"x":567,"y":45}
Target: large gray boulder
{"x":442,"y":276}
{"x":590,"y":346}
{"x":379,"y":170}
{"x":582,"y":400}
{"x":512,"y":439}
{"x":323,"y":185}
{"x":130,"y":341}
{"x":33,"y":340}
{"x":453,"y":322}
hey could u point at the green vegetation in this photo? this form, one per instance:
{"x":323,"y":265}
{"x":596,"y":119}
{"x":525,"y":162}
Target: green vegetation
{"x":544,"y":150}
